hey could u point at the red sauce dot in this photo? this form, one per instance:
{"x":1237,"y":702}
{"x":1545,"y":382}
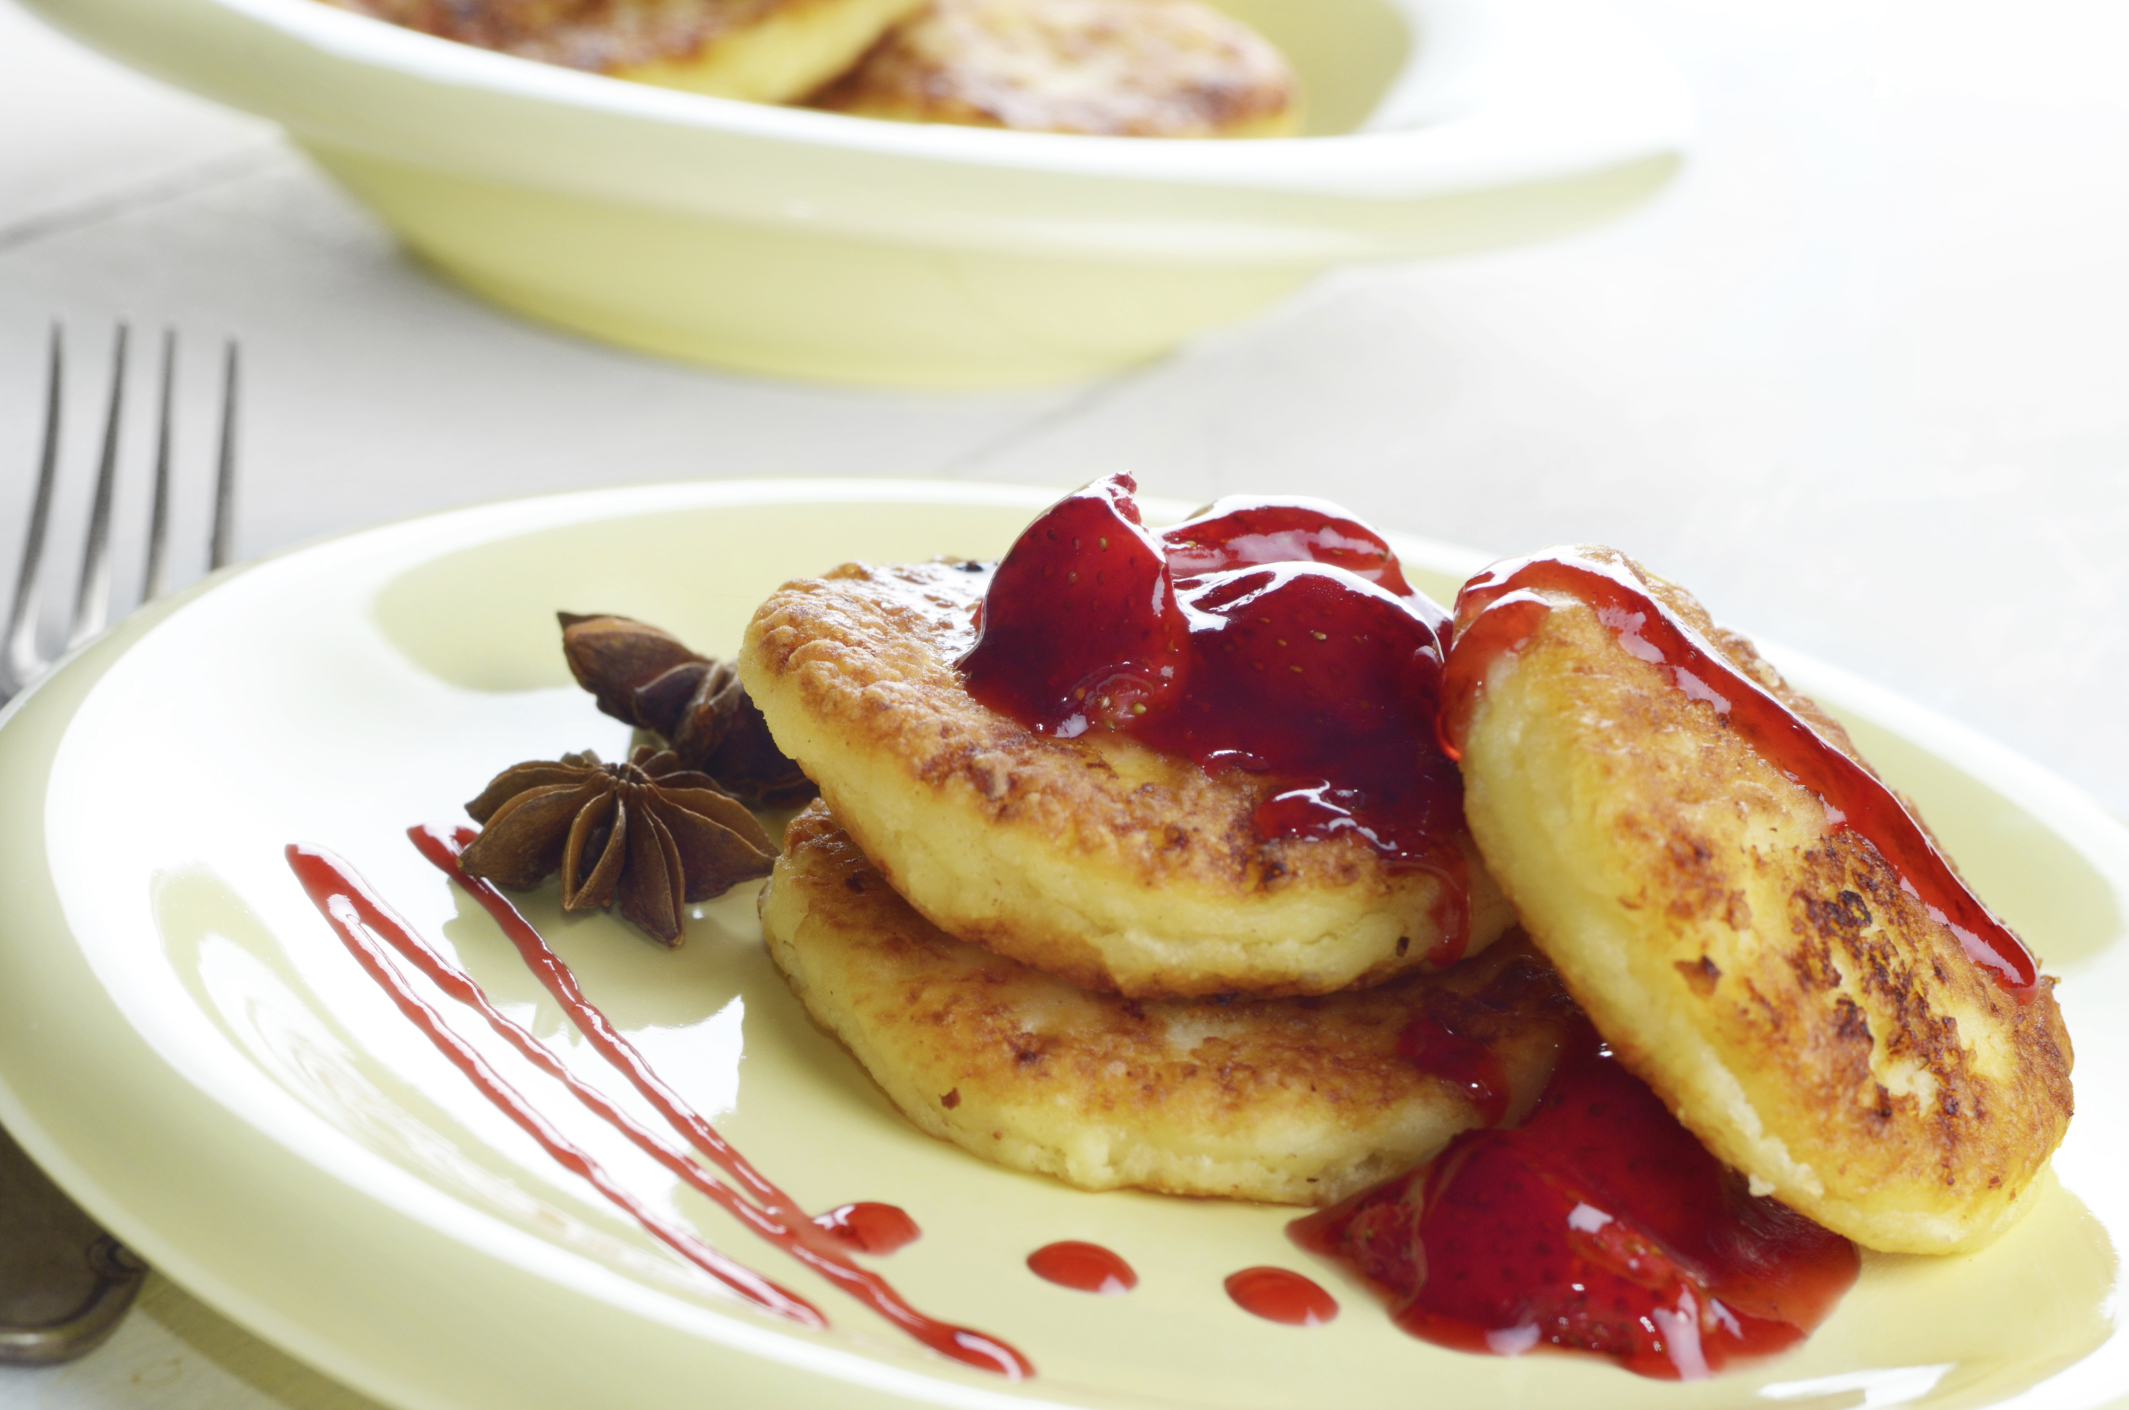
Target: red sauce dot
{"x":1279,"y":1295}
{"x":871,"y":1228}
{"x":1083,"y":1268}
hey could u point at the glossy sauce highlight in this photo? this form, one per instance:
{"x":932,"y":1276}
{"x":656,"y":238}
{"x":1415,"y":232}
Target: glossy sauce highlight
{"x":869,"y":1227}
{"x":1600,"y":1226}
{"x":1281,"y":1295}
{"x":1082,"y":1267}
{"x":1277,"y":637}
{"x":1469,"y":1065}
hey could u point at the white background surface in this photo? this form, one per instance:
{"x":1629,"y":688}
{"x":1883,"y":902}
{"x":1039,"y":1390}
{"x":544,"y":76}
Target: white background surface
{"x":1861,"y":380}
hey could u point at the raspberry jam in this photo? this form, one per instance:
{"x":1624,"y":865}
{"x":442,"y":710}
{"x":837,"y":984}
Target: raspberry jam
{"x":1502,"y":607}
{"x":1601,"y":1226}
{"x":1275,"y":636}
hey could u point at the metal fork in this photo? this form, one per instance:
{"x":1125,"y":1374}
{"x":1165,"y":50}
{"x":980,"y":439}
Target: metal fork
{"x":64,"y":1282}
{"x":22,"y":661}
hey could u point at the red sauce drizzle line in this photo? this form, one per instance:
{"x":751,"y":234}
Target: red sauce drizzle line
{"x":373,"y":913}
{"x":1281,"y":1295}
{"x":355,"y":915}
{"x":778,"y":1220}
{"x":441,"y":846}
{"x":868,"y":1227}
{"x":797,"y":1234}
{"x":1509,"y":609}
{"x":1083,"y":1267}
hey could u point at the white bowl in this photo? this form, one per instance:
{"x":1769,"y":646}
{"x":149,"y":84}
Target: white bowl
{"x":817,"y":245}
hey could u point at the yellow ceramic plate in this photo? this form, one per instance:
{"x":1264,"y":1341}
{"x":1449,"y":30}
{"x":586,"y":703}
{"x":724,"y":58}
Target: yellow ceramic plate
{"x":185,"y":1044}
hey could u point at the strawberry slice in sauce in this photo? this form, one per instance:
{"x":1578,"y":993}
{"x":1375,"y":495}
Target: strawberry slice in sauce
{"x":1242,"y":531}
{"x":1274,"y":636}
{"x":1080,"y":625}
{"x":1601,"y":1226}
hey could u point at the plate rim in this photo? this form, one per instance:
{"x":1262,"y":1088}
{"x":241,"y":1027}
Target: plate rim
{"x":2071,"y":817}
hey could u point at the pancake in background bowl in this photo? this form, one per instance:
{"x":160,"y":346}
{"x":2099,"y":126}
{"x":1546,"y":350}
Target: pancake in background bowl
{"x":1116,"y":68}
{"x":768,"y":51}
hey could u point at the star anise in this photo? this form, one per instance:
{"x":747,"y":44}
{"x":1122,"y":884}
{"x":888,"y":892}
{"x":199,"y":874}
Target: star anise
{"x":647,"y":833}
{"x":650,"y":679}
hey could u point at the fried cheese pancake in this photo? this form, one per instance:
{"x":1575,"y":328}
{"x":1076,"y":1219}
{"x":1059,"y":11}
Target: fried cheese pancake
{"x":1766,"y":971}
{"x":1119,"y":68}
{"x":1097,"y":859}
{"x":1290,"y":1101}
{"x":766,"y":51}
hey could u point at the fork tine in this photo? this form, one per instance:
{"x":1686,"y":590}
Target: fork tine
{"x":22,"y":661}
{"x":225,"y":479}
{"x":157,"y":577}
{"x":92,"y":603}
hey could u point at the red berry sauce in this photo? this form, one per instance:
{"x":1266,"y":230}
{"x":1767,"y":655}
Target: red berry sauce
{"x":1600,"y":1225}
{"x":1083,"y":1267}
{"x":1432,"y":1046}
{"x":1277,"y":636}
{"x":1281,"y":1295}
{"x":1502,"y":607}
{"x":368,"y":928}
{"x":870,"y":1227}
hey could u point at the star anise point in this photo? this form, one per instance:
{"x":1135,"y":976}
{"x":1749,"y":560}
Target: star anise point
{"x":646,"y":835}
{"x":649,"y":678}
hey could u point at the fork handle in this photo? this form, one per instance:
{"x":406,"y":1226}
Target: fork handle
{"x":119,"y":1275}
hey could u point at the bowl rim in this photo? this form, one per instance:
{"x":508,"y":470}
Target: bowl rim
{"x":1504,"y":109}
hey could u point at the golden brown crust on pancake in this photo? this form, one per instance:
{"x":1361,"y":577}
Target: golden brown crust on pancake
{"x":1121,"y":68}
{"x":581,"y":34}
{"x":1096,"y":859}
{"x":1293,"y":1101}
{"x":761,"y":50}
{"x":1767,"y":975}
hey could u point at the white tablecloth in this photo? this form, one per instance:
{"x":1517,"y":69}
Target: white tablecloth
{"x":1861,"y":380}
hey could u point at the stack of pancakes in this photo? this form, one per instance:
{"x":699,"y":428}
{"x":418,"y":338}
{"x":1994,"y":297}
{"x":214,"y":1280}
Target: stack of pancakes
{"x":1076,"y":957}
